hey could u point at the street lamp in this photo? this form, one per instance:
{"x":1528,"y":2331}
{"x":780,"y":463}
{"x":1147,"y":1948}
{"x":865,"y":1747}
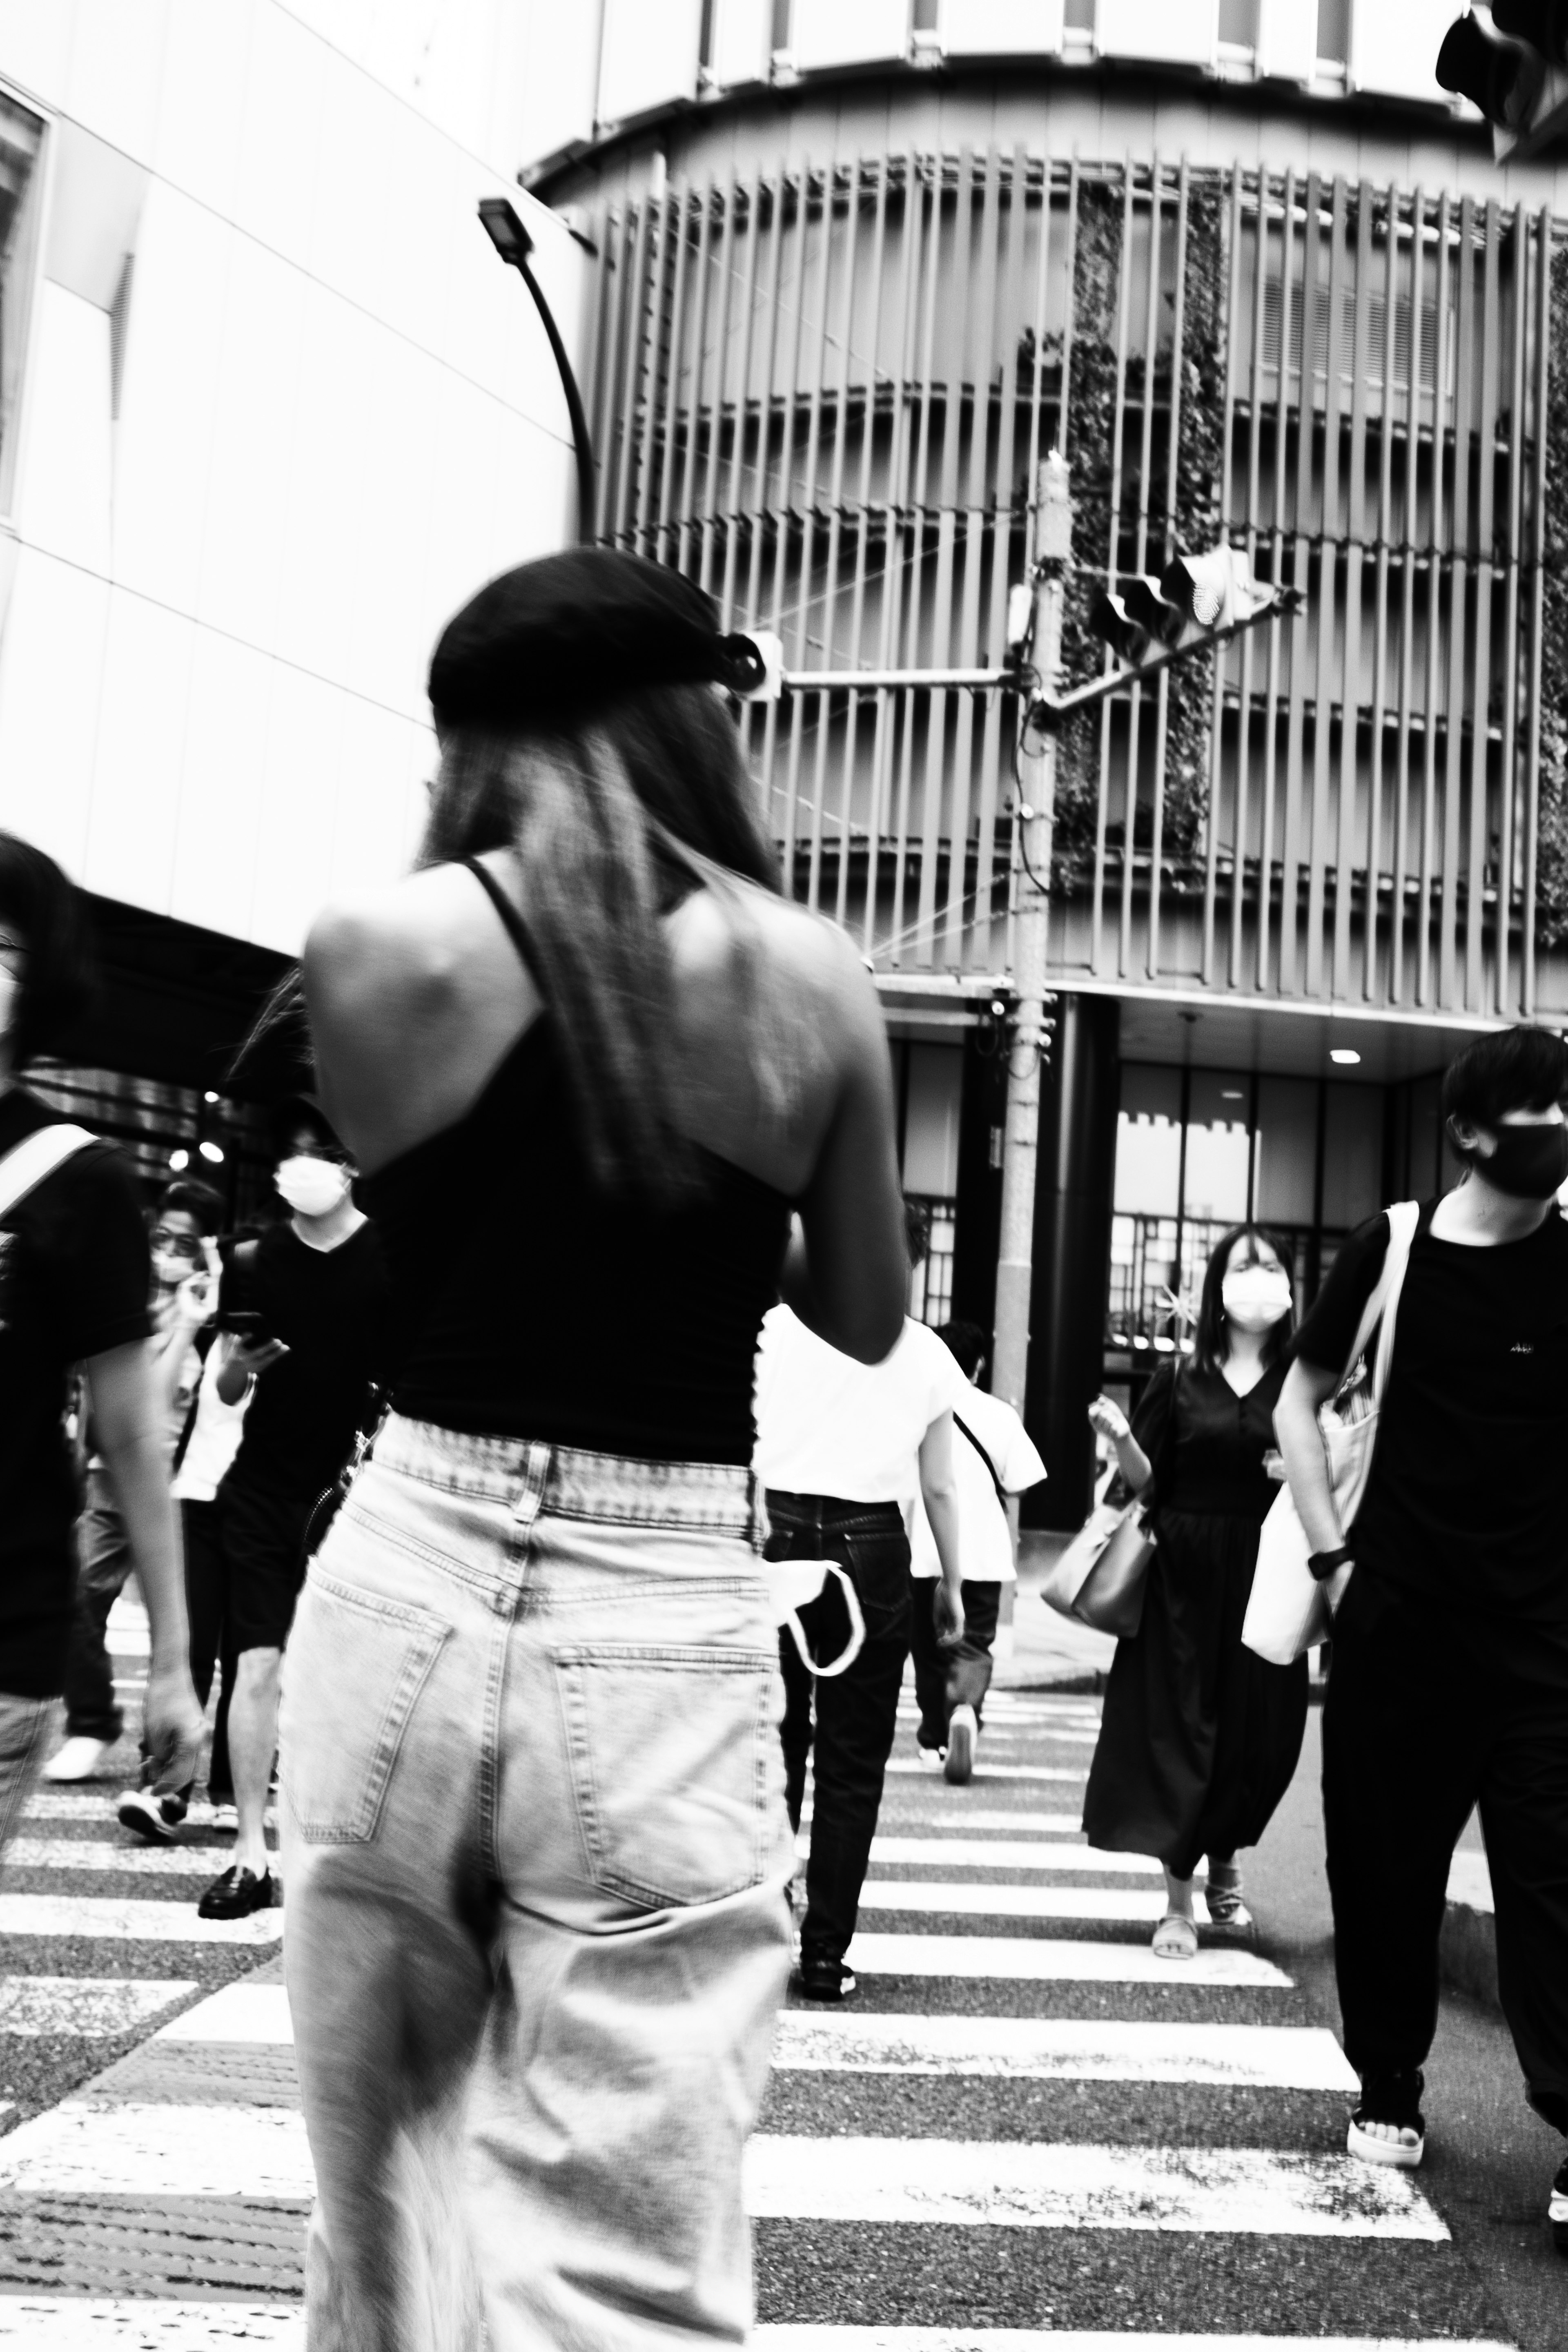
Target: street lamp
{"x":512,"y":242}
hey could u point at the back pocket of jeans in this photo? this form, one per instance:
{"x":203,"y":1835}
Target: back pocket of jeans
{"x":673,"y":1752}
{"x":353,"y":1669}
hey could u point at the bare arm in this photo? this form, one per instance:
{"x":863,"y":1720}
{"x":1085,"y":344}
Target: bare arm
{"x":128,"y":1416}
{"x":1130,"y":1460}
{"x":939,"y":1493}
{"x":1307,"y":1388}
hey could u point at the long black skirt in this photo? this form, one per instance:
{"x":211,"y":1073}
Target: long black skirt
{"x":1199,"y":1736}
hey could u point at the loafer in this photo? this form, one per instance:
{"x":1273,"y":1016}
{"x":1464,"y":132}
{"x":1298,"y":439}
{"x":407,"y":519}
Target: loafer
{"x":820,"y":1977}
{"x":152,"y":1819}
{"x":235,"y":1893}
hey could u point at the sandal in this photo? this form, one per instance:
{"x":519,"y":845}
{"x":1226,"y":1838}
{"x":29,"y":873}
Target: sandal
{"x":1390,"y":2099}
{"x":1175,"y":1939}
{"x":1222,"y":1893}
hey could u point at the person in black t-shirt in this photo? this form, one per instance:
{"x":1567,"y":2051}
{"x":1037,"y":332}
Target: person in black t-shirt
{"x":1450,"y":1680}
{"x":74,"y":1278}
{"x":311,"y":1298}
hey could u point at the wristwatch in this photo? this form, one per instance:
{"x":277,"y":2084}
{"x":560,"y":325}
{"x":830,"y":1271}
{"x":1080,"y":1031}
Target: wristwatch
{"x":1322,"y":1564}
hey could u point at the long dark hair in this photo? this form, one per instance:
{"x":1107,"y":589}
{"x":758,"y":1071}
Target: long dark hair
{"x":1209,"y":1345}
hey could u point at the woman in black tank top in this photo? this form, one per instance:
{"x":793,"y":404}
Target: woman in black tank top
{"x":534,"y":1838}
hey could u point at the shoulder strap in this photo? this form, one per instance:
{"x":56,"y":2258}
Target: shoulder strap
{"x":26,"y":1165}
{"x":960,"y":1423}
{"x":516,"y":929}
{"x":1403,"y":1219}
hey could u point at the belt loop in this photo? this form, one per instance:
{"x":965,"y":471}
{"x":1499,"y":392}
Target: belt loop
{"x":536,"y":1474}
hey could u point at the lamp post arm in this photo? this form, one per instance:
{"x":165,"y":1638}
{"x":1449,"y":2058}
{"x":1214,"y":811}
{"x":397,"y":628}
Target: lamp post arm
{"x":581,"y":440}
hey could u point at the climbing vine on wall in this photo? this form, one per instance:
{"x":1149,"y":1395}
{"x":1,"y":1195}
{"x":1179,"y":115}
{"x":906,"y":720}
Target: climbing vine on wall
{"x":1200,"y":456}
{"x":1552,"y":814}
{"x":1091,"y":414}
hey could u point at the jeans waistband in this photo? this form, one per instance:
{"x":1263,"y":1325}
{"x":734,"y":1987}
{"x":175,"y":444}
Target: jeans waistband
{"x":713,"y":1497}
{"x":833,"y":1514}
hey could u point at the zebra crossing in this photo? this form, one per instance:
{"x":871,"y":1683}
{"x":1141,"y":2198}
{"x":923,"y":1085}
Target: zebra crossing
{"x":1026,"y":2131}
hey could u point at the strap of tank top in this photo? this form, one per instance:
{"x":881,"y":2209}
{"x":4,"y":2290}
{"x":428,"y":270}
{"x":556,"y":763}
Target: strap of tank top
{"x":516,"y":929}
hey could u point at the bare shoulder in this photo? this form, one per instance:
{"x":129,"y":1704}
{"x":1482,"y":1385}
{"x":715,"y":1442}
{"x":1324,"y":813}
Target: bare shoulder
{"x":807,"y":966}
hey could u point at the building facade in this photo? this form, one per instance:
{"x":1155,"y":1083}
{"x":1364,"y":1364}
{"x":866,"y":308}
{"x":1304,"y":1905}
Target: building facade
{"x":860,"y":265}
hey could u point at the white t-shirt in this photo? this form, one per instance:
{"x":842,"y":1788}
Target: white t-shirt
{"x":215,"y":1437}
{"x":985,"y":1541}
{"x":829,"y":1425}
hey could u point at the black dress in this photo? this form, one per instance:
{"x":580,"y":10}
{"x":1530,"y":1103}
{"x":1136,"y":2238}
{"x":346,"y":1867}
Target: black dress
{"x":1200,"y":1736}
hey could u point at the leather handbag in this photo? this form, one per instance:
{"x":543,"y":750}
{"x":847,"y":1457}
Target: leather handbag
{"x":1101,"y":1577}
{"x":1289,"y":1611}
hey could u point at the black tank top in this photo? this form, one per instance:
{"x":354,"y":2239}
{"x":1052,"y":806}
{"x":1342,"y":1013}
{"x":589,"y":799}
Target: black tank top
{"x":527,"y":1303}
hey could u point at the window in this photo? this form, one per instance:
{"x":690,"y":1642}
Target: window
{"x":21,"y":138}
{"x":1238,"y":23}
{"x":1333,"y":30}
{"x":931,"y":1284}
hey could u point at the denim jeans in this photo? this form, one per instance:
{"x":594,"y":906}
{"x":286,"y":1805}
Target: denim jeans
{"x":535,"y":1853}
{"x":24,"y":1736}
{"x":851,"y":1717}
{"x":103,"y":1564}
{"x":960,"y":1676}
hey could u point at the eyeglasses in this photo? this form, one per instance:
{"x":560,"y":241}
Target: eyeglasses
{"x":174,"y":1245}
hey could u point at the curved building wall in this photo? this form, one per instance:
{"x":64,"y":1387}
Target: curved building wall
{"x":836,"y":333}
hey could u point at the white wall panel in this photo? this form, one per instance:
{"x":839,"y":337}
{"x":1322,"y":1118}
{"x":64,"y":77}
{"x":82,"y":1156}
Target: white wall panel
{"x":1394,"y":51}
{"x":168,"y":397}
{"x":386,"y":657}
{"x":368,"y":803}
{"x":65,"y":505}
{"x":1000,"y":27}
{"x":223,"y":785}
{"x":1177,"y":32}
{"x":466,"y":442}
{"x":560,"y":62}
{"x":96,"y":200}
{"x":244,"y":535}
{"x":649,"y":54}
{"x":294,"y":840}
{"x":201,"y":101}
{"x":35,"y":42}
{"x":847,"y":32}
{"x":51,"y":662}
{"x":741,"y":33}
{"x":326,"y":489}
{"x":117,"y":63}
{"x":1288,"y":38}
{"x":284,"y":134}
{"x":135,"y":807}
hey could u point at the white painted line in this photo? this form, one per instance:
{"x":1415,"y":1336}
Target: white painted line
{"x":1006,"y":1854}
{"x":1252,"y":2191}
{"x":99,"y":1804}
{"x":805,"y":2337}
{"x":1274,"y":2057}
{"x":200,"y":1863}
{"x":967,"y":1901}
{"x":1043,"y":1959}
{"x":144,"y":1922}
{"x":989,"y":1771}
{"x":32,"y":2322}
{"x":1470,"y":1882}
{"x":957,"y":1818}
{"x":90,"y":2006}
{"x":239,"y":2013}
{"x":137,"y":2151}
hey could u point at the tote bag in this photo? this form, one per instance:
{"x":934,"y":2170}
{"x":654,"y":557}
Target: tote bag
{"x":1288,"y":1609}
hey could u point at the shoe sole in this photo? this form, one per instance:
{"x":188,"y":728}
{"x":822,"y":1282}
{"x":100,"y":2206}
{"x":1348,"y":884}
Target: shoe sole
{"x":959,"y":1766}
{"x":148,"y":1829}
{"x":1385,"y":2151}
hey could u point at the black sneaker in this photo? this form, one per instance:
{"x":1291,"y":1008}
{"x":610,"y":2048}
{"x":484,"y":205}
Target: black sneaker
{"x":820,"y":1977}
{"x":1390,"y":2099}
{"x":235,"y":1893}
{"x":1557,"y":2209}
{"x":151,"y":1818}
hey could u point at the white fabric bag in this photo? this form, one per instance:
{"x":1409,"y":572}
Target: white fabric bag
{"x":1288,"y":1609}
{"x":791,"y":1584}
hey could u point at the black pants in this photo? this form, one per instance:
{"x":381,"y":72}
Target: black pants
{"x":212,"y":1641}
{"x":960,"y":1676}
{"x":1426,"y":1716}
{"x":857,"y":1711}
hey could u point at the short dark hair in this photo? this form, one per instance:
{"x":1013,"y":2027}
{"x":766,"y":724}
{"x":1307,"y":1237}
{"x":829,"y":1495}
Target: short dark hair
{"x":916,"y":1231}
{"x":1208,"y":1344}
{"x":188,"y":1196}
{"x":284,"y":1120}
{"x":49,"y":914}
{"x":967,"y":1343}
{"x":1521,"y":1068}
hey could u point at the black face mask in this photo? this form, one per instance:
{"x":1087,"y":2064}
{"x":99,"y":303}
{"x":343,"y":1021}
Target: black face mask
{"x":1531,"y":1163}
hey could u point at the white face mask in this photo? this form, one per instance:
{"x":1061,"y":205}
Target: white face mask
{"x":313,"y":1187}
{"x":1255,"y":1297}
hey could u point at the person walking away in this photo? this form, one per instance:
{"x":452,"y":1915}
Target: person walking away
{"x":311,"y":1294}
{"x":75,"y":1275}
{"x":839,"y":1446}
{"x":994,"y":1458}
{"x":1449,"y":1686}
{"x":535,"y":1852}
{"x":1199,"y":1737}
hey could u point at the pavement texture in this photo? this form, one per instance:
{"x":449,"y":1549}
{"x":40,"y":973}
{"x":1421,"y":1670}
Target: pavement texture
{"x":1020,"y":2123}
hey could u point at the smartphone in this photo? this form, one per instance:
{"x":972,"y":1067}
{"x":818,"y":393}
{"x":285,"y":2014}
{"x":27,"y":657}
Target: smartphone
{"x":245,"y":1323}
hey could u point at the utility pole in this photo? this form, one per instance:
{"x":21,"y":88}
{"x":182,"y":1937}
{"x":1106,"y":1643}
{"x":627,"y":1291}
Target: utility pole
{"x":1033,"y":822}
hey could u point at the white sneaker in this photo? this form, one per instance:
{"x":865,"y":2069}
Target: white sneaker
{"x":77,"y":1760}
{"x":963,"y":1738}
{"x":225,"y":1817}
{"x":929,"y":1758}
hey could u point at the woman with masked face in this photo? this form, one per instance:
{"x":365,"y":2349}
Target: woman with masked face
{"x":1200,"y":1736}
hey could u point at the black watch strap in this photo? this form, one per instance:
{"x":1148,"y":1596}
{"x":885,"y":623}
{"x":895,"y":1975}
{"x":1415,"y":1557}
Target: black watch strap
{"x":1322,"y":1564}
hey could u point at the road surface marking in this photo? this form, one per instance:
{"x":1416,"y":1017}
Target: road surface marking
{"x":989,"y":1771}
{"x":93,"y":2007}
{"x":956,"y":1817}
{"x":1010,"y":1853}
{"x":1035,"y":1959}
{"x":968,"y":1901}
{"x":238,"y":2013}
{"x":141,"y":2150}
{"x":201,"y":1863}
{"x":1275,"y":2057}
{"x":36,"y":2323}
{"x":138,"y":1922}
{"x":1053,"y":2186}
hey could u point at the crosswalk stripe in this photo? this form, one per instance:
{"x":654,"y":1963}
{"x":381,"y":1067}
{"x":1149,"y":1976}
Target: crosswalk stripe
{"x":966,"y":1900}
{"x":130,"y":1921}
{"x":1012,"y":1854}
{"x":36,"y":2323}
{"x":1045,"y":2185}
{"x":810,"y":2337}
{"x":92,"y":2007}
{"x":905,"y":1766}
{"x":82,"y":2149}
{"x":237,"y":2012}
{"x":980,"y":1823}
{"x":1061,"y":2049}
{"x":200,"y":1863}
{"x":1047,"y":1960}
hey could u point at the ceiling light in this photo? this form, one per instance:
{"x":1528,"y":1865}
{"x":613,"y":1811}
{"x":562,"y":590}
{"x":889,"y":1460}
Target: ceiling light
{"x":178,"y":1159}
{"x":213,"y":1151}
{"x":1230,"y":1094}
{"x":1346,"y":1055}
{"x":209,"y":1097}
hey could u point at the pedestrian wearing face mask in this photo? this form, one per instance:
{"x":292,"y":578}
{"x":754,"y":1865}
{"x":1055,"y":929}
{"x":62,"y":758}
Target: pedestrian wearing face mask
{"x":307,"y":1303}
{"x":1199,"y":1736}
{"x":1450,"y":1684}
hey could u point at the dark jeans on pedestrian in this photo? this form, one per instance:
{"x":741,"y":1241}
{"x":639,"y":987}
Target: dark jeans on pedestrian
{"x":1425,"y":1718}
{"x":856,"y":1712}
{"x":212,"y":1643}
{"x":103,"y":1563}
{"x":960,"y":1676}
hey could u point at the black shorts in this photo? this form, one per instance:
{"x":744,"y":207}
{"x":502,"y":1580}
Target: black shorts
{"x":264,"y":1546}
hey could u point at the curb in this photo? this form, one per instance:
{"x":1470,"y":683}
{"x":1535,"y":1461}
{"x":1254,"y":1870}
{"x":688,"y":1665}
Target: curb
{"x":1466,"y":1943}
